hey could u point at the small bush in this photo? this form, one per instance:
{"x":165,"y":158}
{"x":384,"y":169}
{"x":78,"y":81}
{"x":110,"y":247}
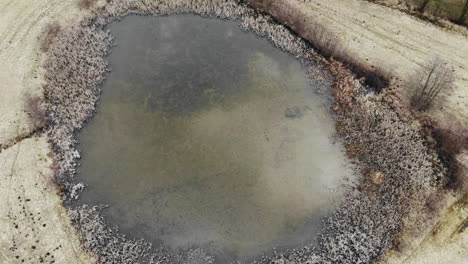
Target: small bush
{"x":454,"y":137}
{"x":34,"y":106}
{"x":449,"y":139}
{"x":431,"y":82}
{"x":50,"y":33}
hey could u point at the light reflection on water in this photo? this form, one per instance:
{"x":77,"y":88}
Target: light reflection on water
{"x":209,"y":136}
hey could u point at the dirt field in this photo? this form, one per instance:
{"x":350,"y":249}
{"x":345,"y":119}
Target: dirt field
{"x":382,"y":37}
{"x":33,"y":221}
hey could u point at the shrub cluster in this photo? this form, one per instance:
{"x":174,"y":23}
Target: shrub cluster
{"x":451,"y":140}
{"x":454,"y":137}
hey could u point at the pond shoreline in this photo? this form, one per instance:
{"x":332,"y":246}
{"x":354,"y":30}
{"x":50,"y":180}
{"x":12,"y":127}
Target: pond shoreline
{"x":375,"y":212}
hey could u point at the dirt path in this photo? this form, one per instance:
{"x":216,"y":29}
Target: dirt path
{"x":33,"y":221}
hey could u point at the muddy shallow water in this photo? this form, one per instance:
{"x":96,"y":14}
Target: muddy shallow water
{"x":208,"y":136}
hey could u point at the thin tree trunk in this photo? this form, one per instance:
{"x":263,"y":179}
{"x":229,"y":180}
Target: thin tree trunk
{"x":423,"y":6}
{"x":463,"y":14}
{"x":423,"y":89}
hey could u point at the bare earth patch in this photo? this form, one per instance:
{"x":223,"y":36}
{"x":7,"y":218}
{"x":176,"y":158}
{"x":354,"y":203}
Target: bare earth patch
{"x":34,"y":223}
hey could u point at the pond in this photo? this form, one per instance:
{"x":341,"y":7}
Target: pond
{"x":208,"y":136}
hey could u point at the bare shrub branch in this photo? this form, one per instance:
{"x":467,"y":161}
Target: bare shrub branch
{"x":34,"y":106}
{"x":51,"y":31}
{"x":433,"y":81}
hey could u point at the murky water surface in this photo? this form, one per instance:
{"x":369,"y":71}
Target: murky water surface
{"x":209,"y":136}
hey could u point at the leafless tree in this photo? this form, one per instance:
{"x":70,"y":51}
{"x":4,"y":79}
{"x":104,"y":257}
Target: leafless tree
{"x":428,"y":83}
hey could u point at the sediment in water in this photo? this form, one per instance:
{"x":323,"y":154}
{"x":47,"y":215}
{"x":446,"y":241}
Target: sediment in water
{"x":381,"y":139}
